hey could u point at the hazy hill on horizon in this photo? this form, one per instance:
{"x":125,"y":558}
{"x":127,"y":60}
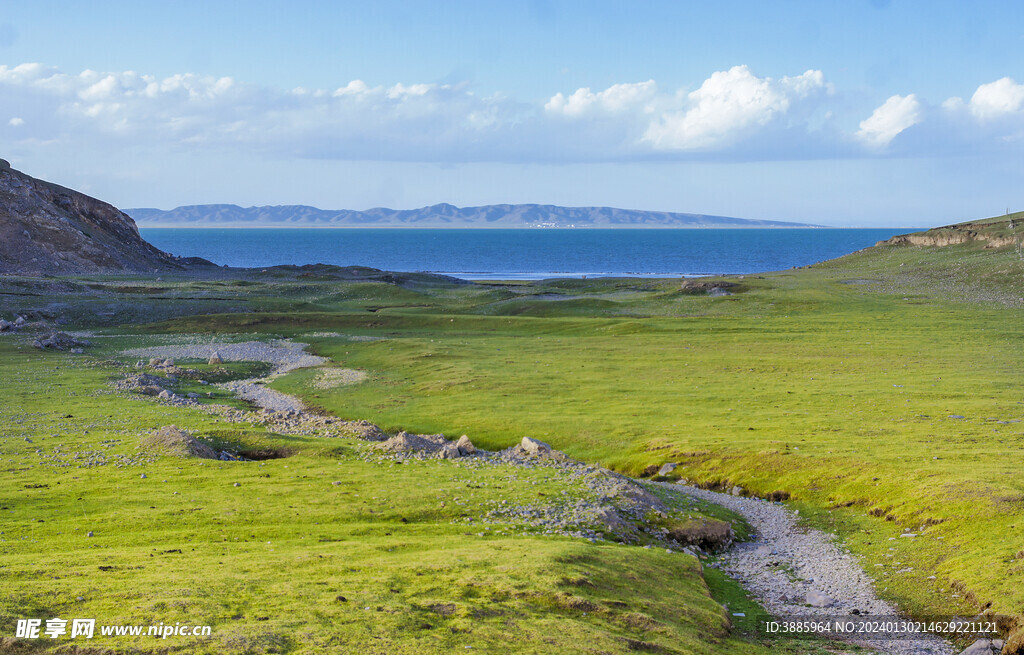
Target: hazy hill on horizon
{"x":441,"y":215}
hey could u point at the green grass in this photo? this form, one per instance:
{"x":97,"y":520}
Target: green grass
{"x":385,"y":561}
{"x":840,"y":384}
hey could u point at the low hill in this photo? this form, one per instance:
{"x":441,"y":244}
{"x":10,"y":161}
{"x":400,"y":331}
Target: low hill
{"x":442,"y":215}
{"x":46,"y":228}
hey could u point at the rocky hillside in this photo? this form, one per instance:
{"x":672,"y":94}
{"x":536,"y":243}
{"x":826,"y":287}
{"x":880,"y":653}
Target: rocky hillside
{"x":991,"y":233}
{"x":443,"y":215}
{"x":45,"y":228}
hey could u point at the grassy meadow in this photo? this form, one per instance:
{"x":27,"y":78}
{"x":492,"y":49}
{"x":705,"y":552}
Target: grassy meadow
{"x":881,"y":391}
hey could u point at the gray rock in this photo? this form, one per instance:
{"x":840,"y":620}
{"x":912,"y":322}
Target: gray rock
{"x":155,"y":361}
{"x":736,"y":491}
{"x":88,"y":534}
{"x":465,"y":446}
{"x":18,"y":322}
{"x":667,"y":468}
{"x":534,"y":447}
{"x":5,"y":325}
{"x":215,"y":358}
{"x":818,"y":599}
{"x":979,"y":647}
{"x":237,"y":484}
{"x":58,"y":341}
{"x":165,"y":394}
{"x":449,"y":451}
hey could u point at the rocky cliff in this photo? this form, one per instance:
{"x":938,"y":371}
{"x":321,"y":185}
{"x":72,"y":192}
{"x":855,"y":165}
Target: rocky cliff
{"x":45,"y":228}
{"x":992,"y":233}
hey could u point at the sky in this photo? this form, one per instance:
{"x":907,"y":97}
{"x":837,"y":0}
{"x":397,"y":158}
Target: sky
{"x":857,"y":113}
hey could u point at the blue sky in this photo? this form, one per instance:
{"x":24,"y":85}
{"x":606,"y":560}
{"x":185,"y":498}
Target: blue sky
{"x":866,"y":113}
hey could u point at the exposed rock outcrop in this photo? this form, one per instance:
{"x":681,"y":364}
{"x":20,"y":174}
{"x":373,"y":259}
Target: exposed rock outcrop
{"x":990,"y":234}
{"x":46,"y":228}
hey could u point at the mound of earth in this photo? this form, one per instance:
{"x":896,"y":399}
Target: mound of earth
{"x":45,"y":228}
{"x":172,"y":440}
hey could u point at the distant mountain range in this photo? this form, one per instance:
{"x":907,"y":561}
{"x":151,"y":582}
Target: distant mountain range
{"x":443,"y":215}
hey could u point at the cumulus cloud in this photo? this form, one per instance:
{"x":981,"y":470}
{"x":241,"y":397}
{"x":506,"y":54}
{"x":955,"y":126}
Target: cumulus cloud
{"x":997,"y":99}
{"x":887,"y":121}
{"x":733,"y":114}
{"x":729,"y":106}
{"x":615,"y":99}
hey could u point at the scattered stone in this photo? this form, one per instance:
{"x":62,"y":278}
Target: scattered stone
{"x":215,"y":359}
{"x":88,"y":534}
{"x":5,"y":325}
{"x":237,"y":484}
{"x":818,"y":599}
{"x":535,"y":447}
{"x":979,"y":647}
{"x":143,"y":476}
{"x":366,"y":431}
{"x":404,"y":442}
{"x":736,"y":491}
{"x":666,"y":469}
{"x":58,"y":341}
{"x":172,"y":440}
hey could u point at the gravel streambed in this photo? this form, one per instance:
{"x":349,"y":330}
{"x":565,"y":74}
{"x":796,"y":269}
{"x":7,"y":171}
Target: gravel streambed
{"x":796,"y":571}
{"x":284,"y":355}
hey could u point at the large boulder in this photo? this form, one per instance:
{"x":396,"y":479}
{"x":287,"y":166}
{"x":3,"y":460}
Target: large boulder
{"x":465,"y":446}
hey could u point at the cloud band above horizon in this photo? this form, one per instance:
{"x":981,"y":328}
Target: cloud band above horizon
{"x":733,"y":115}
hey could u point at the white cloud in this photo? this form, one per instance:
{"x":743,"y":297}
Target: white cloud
{"x":997,"y":99}
{"x":729,"y":106}
{"x":886,"y":122}
{"x":616,"y":98}
{"x":731,"y":114}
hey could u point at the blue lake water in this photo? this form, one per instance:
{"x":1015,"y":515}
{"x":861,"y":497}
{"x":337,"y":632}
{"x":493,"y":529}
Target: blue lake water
{"x":523,"y":254}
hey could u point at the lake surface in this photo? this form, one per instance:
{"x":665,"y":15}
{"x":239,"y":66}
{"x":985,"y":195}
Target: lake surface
{"x":523,"y":254}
